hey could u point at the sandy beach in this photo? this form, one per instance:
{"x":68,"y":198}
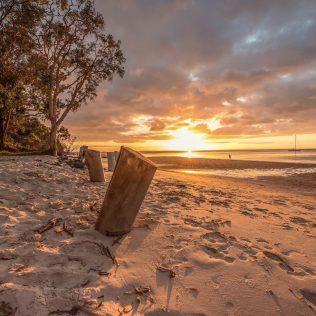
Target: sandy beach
{"x":201,"y":245}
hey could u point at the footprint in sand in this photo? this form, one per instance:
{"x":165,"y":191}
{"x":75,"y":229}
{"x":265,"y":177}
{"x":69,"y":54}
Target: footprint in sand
{"x":194,"y":292}
{"x":282,"y":262}
{"x":302,"y":221}
{"x":248,"y":213}
{"x":217,"y":254}
{"x":309,"y":295}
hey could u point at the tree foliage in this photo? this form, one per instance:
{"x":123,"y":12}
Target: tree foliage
{"x":17,"y":19}
{"x":73,"y":56}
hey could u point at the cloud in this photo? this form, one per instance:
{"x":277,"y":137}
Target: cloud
{"x":249,"y":65}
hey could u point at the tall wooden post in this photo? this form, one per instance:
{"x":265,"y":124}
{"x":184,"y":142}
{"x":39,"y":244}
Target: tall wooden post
{"x":111,"y":161}
{"x":94,"y":163}
{"x":116,"y":155}
{"x":126,"y":192}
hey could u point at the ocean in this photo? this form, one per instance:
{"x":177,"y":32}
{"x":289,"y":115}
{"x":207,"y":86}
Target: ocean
{"x":307,"y":156}
{"x":303,"y":156}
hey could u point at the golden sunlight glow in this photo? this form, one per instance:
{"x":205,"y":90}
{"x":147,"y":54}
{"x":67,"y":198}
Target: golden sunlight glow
{"x":186,"y":140}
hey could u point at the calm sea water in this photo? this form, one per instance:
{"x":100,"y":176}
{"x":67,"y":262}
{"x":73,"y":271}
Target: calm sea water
{"x":304,"y":156}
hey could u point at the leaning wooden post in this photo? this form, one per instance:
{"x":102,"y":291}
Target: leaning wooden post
{"x":111,"y":161}
{"x":126,"y":192}
{"x":94,"y":164}
{"x":116,"y":155}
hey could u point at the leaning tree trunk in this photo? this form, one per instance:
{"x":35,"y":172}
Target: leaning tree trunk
{"x":53,"y":138}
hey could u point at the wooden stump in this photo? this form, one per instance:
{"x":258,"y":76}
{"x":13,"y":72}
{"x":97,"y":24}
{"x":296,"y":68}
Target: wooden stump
{"x":111,"y":161}
{"x":81,"y":152}
{"x":94,"y":164}
{"x":126,"y":192}
{"x":116,"y":155}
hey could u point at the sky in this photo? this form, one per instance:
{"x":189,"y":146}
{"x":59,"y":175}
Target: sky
{"x":206,"y":74}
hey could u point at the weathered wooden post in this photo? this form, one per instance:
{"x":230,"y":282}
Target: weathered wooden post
{"x":81,"y":152}
{"x":94,"y":164}
{"x":116,"y":155}
{"x":111,"y":161}
{"x":126,"y":192}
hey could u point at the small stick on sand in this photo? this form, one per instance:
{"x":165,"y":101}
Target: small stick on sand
{"x":49,"y":225}
{"x":109,"y":255}
{"x":172,"y":274}
{"x":68,"y":229}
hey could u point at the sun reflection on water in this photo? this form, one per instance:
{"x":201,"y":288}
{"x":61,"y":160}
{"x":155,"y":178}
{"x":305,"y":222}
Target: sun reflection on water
{"x":190,"y":154}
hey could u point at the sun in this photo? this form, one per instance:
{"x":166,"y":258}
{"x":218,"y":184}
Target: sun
{"x":185,"y":140}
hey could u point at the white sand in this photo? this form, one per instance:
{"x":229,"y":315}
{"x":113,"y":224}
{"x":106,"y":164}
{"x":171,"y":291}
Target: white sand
{"x":236,"y":247}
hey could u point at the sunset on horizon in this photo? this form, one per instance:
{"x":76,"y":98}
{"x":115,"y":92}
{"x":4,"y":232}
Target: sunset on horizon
{"x":229,"y":74}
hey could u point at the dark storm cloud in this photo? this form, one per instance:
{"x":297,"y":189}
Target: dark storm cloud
{"x":249,"y":64}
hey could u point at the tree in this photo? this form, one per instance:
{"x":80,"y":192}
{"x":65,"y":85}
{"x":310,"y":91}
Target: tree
{"x":73,"y":56}
{"x":17,"y":18}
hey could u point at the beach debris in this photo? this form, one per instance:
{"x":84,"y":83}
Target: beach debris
{"x":94,"y":163}
{"x":141,"y":291}
{"x":103,"y":272}
{"x":126,"y":309}
{"x":49,"y":225}
{"x":126,"y":192}
{"x":77,"y":164}
{"x":106,"y":251}
{"x":68,"y":229}
{"x":85,"y":282}
{"x":7,"y":255}
{"x":172,"y":273}
{"x":18,"y":267}
{"x":92,"y":207}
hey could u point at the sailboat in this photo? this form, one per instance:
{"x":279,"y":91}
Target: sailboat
{"x":294,"y":149}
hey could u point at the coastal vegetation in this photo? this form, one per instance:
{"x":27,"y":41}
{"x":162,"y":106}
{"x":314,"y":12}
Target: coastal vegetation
{"x":54,"y":55}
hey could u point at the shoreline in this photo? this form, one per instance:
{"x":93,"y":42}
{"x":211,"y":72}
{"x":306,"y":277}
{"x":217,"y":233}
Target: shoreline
{"x":174,"y":162}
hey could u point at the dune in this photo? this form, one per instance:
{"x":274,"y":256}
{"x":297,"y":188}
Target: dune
{"x":201,"y":245}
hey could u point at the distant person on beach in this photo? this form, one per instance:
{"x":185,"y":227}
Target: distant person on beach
{"x":229,"y":156}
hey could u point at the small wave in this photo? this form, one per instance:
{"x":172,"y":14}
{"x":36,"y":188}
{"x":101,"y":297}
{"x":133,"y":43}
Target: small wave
{"x":251,"y":173}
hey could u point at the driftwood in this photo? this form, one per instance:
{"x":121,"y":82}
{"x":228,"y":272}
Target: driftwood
{"x":126,"y":192}
{"x":111,"y":161}
{"x":49,"y":225}
{"x":94,"y":164}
